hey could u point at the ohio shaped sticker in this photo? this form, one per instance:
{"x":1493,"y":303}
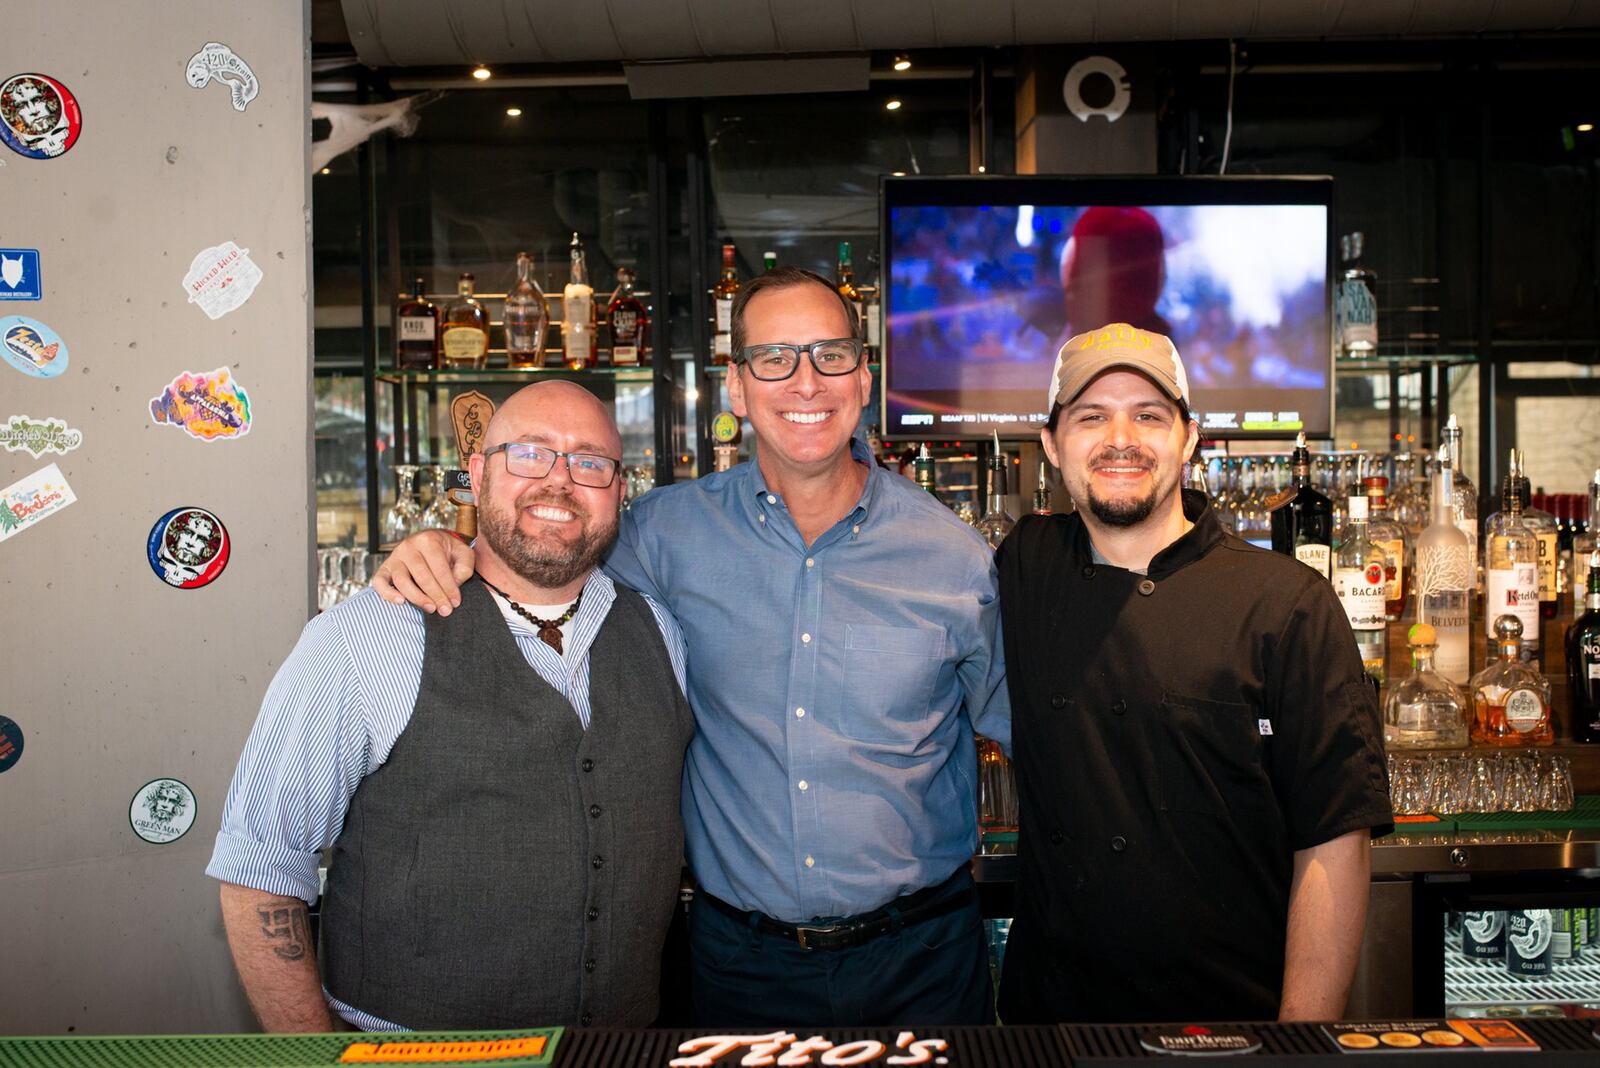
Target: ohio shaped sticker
{"x":188,"y":548}
{"x":39,"y":116}
{"x":32,"y":347}
{"x":221,"y":278}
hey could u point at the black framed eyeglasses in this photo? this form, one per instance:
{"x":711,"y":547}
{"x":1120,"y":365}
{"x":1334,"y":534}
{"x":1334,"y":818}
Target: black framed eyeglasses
{"x":774,"y":363}
{"x":527,"y":460}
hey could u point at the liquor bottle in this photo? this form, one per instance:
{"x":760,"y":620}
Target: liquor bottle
{"x":1425,"y":710}
{"x":922,"y":470}
{"x":726,"y":289}
{"x":1510,"y":699}
{"x":1357,"y":311}
{"x":1584,"y":541}
{"x":1464,"y":502}
{"x":1511,"y":567}
{"x":1546,"y":535}
{"x":1389,"y":536}
{"x":1444,"y":579}
{"x":847,"y":285}
{"x":769,"y":261}
{"x":1360,"y":578}
{"x":630,"y":324}
{"x":525,"y":318}
{"x":465,"y":338}
{"x":416,"y":334}
{"x":1041,"y":494}
{"x":872,"y":311}
{"x":1583,"y":659}
{"x":1566,"y":527}
{"x":578,"y":314}
{"x":996,"y":522}
{"x":1302,"y":518}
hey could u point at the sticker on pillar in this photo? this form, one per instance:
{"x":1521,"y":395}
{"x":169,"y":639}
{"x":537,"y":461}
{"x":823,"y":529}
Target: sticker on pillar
{"x":33,"y":499}
{"x":209,"y":405}
{"x":10,"y":744}
{"x":162,"y":811}
{"x":32,"y":347}
{"x":221,"y":278}
{"x":218,"y":63}
{"x":39,"y":436}
{"x":188,"y":548}
{"x":19,"y":274}
{"x":39,"y":117}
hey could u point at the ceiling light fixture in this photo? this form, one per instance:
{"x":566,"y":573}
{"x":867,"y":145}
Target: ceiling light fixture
{"x":893,"y":105}
{"x":1585,"y":127}
{"x":513,"y":111}
{"x":482,"y":73}
{"x":324,"y":170}
{"x":902,"y":61}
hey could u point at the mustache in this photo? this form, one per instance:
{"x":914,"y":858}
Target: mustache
{"x":557,"y":500}
{"x":1123,"y":458}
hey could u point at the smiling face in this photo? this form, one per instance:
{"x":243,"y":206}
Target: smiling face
{"x":1121,"y":445}
{"x":550,"y":531}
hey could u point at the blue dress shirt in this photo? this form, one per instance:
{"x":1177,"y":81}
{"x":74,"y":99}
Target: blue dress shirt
{"x":835,"y":687}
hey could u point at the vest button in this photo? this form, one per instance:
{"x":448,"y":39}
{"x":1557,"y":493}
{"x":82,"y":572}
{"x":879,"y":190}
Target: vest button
{"x":593,"y":914}
{"x":1119,"y":844}
{"x":1056,"y":838}
{"x":1119,"y":707}
{"x":1058,"y":701}
{"x":598,"y":861}
{"x":588,"y":965}
{"x":587,"y":765}
{"x":1146,"y":588}
{"x":1088,"y":571}
{"x":594,"y":810}
{"x":586,"y":1019}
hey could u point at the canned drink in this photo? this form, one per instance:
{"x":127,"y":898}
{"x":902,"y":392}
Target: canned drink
{"x":1594,"y":926}
{"x":1483,"y":935}
{"x":1503,"y":1012}
{"x":1468,"y":1012}
{"x":1580,"y":931}
{"x":1530,"y":934}
{"x":1543,"y":1010}
{"x":1563,"y":926}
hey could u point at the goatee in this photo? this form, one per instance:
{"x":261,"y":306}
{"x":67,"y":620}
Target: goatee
{"x":543,"y":563}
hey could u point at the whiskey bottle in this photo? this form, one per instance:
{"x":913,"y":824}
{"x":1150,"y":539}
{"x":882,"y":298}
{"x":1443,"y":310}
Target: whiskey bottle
{"x":847,"y":286}
{"x":1464,"y":502}
{"x":1360,"y":578}
{"x":1357,"y":312}
{"x":1583,"y":659}
{"x":726,"y":289}
{"x":465,"y":337}
{"x":578,"y":314}
{"x":416,"y":333}
{"x":996,"y":522}
{"x":1425,"y":710}
{"x":525,"y":318}
{"x":1510,"y":699}
{"x":1389,"y":536}
{"x":630,"y":324}
{"x":1511,"y":567}
{"x":1302,"y":518}
{"x":1041,"y":494}
{"x":1444,"y":579}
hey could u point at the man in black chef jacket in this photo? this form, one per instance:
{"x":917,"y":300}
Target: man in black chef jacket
{"x":1198,"y":752}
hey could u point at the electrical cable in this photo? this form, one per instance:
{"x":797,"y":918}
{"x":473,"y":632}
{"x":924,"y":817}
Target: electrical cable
{"x":1227,"y":136}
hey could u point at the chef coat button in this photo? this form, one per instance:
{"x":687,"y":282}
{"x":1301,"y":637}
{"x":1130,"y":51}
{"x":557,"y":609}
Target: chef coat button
{"x":594,"y":810}
{"x":598,"y":861}
{"x":1057,"y":701}
{"x":1147,"y":587}
{"x":1119,"y":707}
{"x":588,"y":965}
{"x":593,"y":914}
{"x":1056,"y":838}
{"x":1088,"y":571}
{"x":586,"y":1019}
{"x":1119,"y":844}
{"x":587,"y":765}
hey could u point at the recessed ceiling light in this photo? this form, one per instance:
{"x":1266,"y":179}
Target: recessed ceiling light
{"x":902,"y":62}
{"x":1585,"y":127}
{"x":482,"y":73}
{"x":892,"y":105}
{"x":980,"y":168}
{"x":899,"y":174}
{"x":513,"y":111}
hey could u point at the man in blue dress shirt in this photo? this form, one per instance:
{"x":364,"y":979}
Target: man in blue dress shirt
{"x":843,"y":646}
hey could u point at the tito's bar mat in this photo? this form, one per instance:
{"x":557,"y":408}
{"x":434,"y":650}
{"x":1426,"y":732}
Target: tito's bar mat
{"x":938,"y":1047}
{"x":500,"y":1049}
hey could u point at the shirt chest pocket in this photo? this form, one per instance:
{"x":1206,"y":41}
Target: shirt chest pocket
{"x":1211,"y":756}
{"x":890,"y":675}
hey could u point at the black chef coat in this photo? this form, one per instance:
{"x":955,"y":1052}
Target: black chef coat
{"x":1177,"y":737}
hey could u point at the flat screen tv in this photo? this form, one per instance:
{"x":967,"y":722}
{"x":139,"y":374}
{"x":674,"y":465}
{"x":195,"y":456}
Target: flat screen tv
{"x":984,"y":279}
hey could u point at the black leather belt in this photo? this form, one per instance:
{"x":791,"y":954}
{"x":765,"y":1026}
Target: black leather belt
{"x":924,"y":904}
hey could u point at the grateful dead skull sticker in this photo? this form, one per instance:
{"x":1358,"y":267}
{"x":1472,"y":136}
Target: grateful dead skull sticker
{"x":39,"y":117}
{"x":188,"y":548}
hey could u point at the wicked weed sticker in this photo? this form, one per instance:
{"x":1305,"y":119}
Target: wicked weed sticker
{"x":208,"y":405}
{"x":188,"y":548}
{"x":221,"y":278}
{"x":38,"y":436}
{"x":39,"y":117}
{"x":162,"y":811}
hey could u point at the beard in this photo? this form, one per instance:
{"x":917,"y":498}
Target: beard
{"x":1126,"y":511}
{"x":540,"y":559}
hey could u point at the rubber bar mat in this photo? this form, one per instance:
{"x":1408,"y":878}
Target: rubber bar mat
{"x":1585,"y":815}
{"x":503,"y":1049}
{"x":945,"y":1047}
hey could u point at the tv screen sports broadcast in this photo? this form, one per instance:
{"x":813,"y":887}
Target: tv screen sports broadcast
{"x":985,"y":278}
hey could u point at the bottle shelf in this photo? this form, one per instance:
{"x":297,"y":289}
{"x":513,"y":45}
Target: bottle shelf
{"x":1387,"y":358}
{"x":495,"y":374}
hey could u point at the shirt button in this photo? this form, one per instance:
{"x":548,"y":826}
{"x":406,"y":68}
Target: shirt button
{"x":799,"y":713}
{"x":1088,"y":572}
{"x":1119,"y":844}
{"x":588,"y":965}
{"x":1056,"y":837}
{"x":594,"y":810}
{"x":1119,"y":707}
{"x":804,"y":785}
{"x":856,"y":529}
{"x":771,"y":499}
{"x":586,"y":1019}
{"x":810,"y":562}
{"x":761,"y":519}
{"x":1147,"y":587}
{"x":594,"y":913}
{"x":1058,"y":701}
{"x":598,"y":861}
{"x":811,"y":862}
{"x":805,"y":639}
{"x":587,"y":765}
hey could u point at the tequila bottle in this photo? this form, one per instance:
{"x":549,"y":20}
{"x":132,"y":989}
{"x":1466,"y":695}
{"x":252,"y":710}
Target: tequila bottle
{"x":1360,"y":578}
{"x":465,"y":338}
{"x":727,"y":288}
{"x":1583,"y":659}
{"x":1511,"y":567}
{"x":1425,"y":710}
{"x":630,"y":324}
{"x":1510,"y":699}
{"x":1389,"y":536}
{"x":416,"y":335}
{"x":578,"y":314}
{"x":525,"y":318}
{"x":1302,"y":518}
{"x":1444,"y":579}
{"x":996,"y":522}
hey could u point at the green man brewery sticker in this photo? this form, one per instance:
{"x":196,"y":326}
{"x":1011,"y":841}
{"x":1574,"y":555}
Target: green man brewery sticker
{"x":162,"y":811}
{"x":10,"y":743}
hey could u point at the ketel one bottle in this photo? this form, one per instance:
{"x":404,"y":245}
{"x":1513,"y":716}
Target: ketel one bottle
{"x":1529,"y":934}
{"x":1302,"y":518}
{"x":1483,"y":935}
{"x":1511,"y":566}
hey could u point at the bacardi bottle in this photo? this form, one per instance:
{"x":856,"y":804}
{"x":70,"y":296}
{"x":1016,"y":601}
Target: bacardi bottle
{"x":525,"y":318}
{"x":1583,"y":659}
{"x":465,"y":339}
{"x":1511,"y":567}
{"x":1360,"y":578}
{"x":416,"y":335}
{"x":1389,"y":536}
{"x":726,"y":290}
{"x":630,"y":324}
{"x":578,"y":314}
{"x":1444,"y":580}
{"x":1302,"y":518}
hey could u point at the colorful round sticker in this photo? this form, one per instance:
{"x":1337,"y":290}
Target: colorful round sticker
{"x":39,"y":117}
{"x":10,"y":743}
{"x":188,"y":548}
{"x":162,"y":811}
{"x":32,"y":347}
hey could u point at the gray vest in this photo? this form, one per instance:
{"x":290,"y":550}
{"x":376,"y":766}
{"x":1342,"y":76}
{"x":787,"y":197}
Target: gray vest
{"x":506,"y":868}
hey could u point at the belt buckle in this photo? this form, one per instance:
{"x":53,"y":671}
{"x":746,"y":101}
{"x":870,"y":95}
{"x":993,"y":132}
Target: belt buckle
{"x":801,"y":931}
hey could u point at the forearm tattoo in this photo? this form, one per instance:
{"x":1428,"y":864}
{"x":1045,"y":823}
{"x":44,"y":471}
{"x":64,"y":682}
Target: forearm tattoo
{"x":286,"y":929}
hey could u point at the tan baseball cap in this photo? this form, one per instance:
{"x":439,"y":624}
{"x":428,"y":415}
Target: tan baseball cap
{"x":1122,"y":347}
